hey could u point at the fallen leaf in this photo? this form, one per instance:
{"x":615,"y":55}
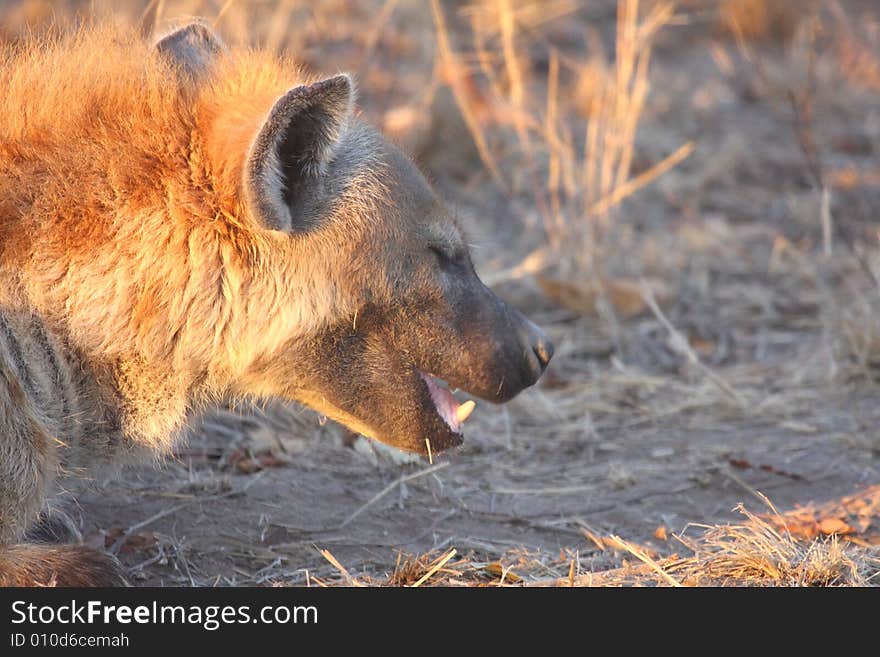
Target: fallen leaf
{"x":139,"y":542}
{"x":626,"y":298}
{"x":248,"y":466}
{"x":573,"y":296}
{"x":136,"y":542}
{"x":834,"y":526}
{"x":703,"y":348}
{"x":804,"y":527}
{"x":782,"y":473}
{"x":271,"y":460}
{"x":850,"y":177}
{"x":495,"y":568}
{"x":624,"y":295}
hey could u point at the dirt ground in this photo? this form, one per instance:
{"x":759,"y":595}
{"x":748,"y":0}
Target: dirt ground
{"x":629,"y":433}
{"x":197,"y":522}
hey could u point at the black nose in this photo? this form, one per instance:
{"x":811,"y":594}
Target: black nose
{"x":539,"y":343}
{"x":543,"y":349}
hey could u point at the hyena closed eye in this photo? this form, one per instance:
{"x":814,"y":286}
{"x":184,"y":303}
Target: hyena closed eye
{"x":182,"y":221}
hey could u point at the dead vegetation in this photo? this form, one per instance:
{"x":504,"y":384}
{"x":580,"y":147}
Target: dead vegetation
{"x":775,"y":549}
{"x":685,"y":195}
{"x":570,"y":154}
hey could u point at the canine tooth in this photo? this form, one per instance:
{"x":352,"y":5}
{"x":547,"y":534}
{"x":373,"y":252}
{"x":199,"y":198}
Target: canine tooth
{"x":464,"y":411}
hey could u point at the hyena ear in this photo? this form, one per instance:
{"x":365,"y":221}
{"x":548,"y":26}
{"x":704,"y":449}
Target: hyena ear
{"x":192,"y":49}
{"x":293,"y":146}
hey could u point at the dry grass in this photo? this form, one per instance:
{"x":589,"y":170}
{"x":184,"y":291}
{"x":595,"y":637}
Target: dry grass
{"x":761,"y":20}
{"x":759,"y":551}
{"x":572,"y":154}
{"x":859,"y":50}
{"x":754,"y":553}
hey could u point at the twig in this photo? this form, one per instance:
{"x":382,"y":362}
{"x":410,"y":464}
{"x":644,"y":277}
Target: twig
{"x":742,"y":484}
{"x":680,"y":344}
{"x":827,"y":224}
{"x":390,"y":487}
{"x":117,"y":545}
{"x":632,"y":185}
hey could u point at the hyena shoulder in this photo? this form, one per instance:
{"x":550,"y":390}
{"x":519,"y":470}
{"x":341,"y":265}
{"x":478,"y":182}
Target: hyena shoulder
{"x":125,"y":250}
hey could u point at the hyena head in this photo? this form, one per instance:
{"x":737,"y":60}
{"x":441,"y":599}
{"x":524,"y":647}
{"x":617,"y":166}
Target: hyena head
{"x":409,"y":311}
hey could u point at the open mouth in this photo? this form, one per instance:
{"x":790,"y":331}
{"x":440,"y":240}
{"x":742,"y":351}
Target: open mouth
{"x":448,"y":407}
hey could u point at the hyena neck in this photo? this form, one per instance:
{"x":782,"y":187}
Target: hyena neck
{"x":162,"y":336}
{"x":157,"y":372}
{"x":153,"y":402}
{"x":139,"y":408}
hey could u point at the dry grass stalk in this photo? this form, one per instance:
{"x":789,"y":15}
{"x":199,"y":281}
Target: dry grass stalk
{"x":351,"y":581}
{"x":608,"y":153}
{"x":681,"y":346}
{"x":752,"y":553}
{"x":632,"y":185}
{"x":455,"y":75}
{"x":583,"y":185}
{"x":390,"y":487}
{"x":627,"y":575}
{"x":511,"y":63}
{"x":760,"y":551}
{"x":434,"y":568}
{"x":760,"y":20}
{"x":642,"y":556}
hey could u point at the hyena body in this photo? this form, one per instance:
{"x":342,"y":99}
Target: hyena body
{"x":180,"y":223}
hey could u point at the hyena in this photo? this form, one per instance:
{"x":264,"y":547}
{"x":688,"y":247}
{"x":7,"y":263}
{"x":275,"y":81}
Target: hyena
{"x":181,"y":222}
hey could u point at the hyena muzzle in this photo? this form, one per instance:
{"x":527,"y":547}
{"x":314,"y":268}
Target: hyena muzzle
{"x":184,"y":222}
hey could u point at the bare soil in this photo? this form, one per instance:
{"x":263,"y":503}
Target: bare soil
{"x":491,"y":500}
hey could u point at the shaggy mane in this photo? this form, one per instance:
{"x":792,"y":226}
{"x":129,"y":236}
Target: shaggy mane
{"x":121,"y":212}
{"x":69,"y":101}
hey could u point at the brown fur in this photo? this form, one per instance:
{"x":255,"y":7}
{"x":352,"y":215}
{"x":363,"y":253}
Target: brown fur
{"x":140,"y":280}
{"x":122,"y":219}
{"x":125,"y":177}
{"x":49,"y":565}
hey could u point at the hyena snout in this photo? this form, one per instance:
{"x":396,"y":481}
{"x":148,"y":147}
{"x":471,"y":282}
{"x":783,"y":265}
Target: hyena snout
{"x":517,"y":354}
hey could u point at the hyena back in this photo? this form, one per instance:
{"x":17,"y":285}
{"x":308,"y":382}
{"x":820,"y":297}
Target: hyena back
{"x":181,"y":222}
